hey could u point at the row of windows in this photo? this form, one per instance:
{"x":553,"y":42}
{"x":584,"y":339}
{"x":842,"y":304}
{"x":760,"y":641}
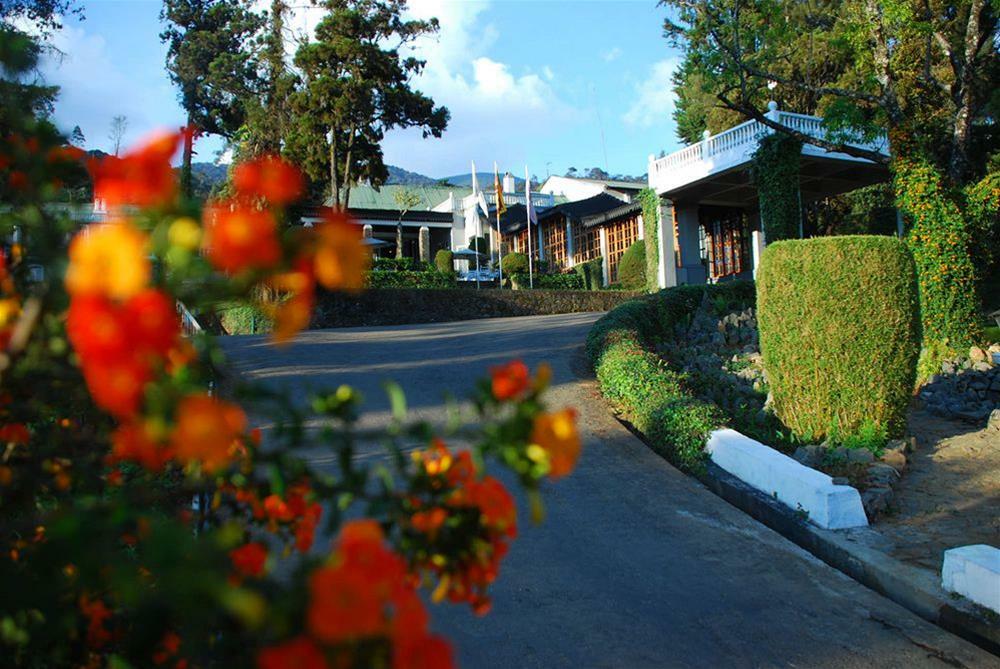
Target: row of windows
{"x":621,"y":235}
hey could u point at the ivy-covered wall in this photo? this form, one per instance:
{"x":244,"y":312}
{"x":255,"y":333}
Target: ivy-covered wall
{"x":650,"y":215}
{"x":775,"y":171}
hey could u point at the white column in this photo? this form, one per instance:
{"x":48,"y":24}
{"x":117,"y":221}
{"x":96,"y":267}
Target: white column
{"x":757,"y":244}
{"x":667,"y":274}
{"x":605,"y":269}
{"x":642,"y":228}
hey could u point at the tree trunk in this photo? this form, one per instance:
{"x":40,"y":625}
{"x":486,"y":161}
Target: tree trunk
{"x":399,"y":239}
{"x":334,"y":182}
{"x":347,"y":170}
{"x":964,"y":94}
{"x":187,"y":185}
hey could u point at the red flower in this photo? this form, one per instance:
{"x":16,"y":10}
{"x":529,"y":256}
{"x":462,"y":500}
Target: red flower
{"x":298,"y":653}
{"x":277,"y":181}
{"x":238,"y":238}
{"x":132,"y":442}
{"x":14,"y":433}
{"x":495,"y":504}
{"x":142,"y":177}
{"x":97,"y":328}
{"x":511,"y":380}
{"x":249,"y":559}
{"x":96,"y":612}
{"x":153,"y":319}
{"x":117,"y":385}
{"x":427,"y":652}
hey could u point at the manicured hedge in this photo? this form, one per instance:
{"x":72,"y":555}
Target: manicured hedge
{"x":444,"y":261}
{"x":592,"y":273}
{"x":515,"y":263}
{"x":840,"y":333}
{"x":648,"y":393}
{"x":409,"y":279}
{"x":632,"y":266}
{"x":564,"y":281}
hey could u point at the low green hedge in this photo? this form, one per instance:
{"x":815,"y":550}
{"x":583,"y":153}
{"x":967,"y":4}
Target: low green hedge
{"x":409,"y":279}
{"x":840,"y":333}
{"x":400,"y":265}
{"x":648,"y":393}
{"x":564,"y":281}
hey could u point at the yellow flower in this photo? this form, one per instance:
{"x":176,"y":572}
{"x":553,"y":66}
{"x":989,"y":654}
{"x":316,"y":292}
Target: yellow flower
{"x":109,"y":260}
{"x":184,"y":233}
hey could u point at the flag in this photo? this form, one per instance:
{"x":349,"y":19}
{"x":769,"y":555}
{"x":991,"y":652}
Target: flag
{"x":478,"y":194}
{"x":501,"y":207}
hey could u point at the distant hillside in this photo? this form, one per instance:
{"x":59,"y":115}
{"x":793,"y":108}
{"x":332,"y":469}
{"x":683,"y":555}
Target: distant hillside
{"x":397,"y":175}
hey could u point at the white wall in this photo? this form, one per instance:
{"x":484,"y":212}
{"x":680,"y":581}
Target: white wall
{"x":572,"y":189}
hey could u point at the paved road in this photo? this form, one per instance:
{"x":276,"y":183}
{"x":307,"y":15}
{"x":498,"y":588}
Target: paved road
{"x":637,"y":565}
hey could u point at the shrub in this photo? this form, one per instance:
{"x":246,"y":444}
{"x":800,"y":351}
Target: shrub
{"x":400,"y":265}
{"x":839,"y":333}
{"x":515,"y":263}
{"x":632,"y":267}
{"x":592,"y":273}
{"x":444,"y":261}
{"x":479,"y":244}
{"x":653,"y":397}
{"x":409,"y":279}
{"x":564,"y":281}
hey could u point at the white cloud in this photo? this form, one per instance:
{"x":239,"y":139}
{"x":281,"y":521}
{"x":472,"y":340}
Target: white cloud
{"x":654,"y":96}
{"x":611,"y":54}
{"x":549,"y":74}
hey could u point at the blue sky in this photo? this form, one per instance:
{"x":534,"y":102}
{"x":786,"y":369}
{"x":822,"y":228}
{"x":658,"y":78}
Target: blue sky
{"x":526,"y":82}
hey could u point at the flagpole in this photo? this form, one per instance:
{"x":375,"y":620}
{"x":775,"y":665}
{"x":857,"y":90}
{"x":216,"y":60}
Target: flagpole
{"x":527,"y":207}
{"x":475,"y":208}
{"x":499,"y":196}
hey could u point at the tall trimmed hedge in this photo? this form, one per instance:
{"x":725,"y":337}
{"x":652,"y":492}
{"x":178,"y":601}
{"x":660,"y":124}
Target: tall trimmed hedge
{"x":444,"y":261}
{"x":632,"y":267}
{"x":650,"y":202}
{"x":840,"y":333}
{"x":640,"y":384}
{"x":515,"y":263}
{"x":592,"y":273}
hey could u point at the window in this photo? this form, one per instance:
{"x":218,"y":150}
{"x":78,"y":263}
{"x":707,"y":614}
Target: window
{"x":554,"y":242}
{"x":586,"y":242}
{"x":726,"y":234}
{"x":621,"y":235}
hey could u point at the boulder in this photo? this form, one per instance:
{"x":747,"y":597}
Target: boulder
{"x":894,"y":459}
{"x":876,"y":500}
{"x":881,"y":474}
{"x":860,"y":455}
{"x":809,"y":456}
{"x":977,"y":354}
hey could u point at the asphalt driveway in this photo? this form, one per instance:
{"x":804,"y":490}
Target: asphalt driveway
{"x":637,"y":565}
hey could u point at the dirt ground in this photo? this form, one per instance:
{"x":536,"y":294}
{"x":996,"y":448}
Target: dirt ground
{"x":950,"y":493}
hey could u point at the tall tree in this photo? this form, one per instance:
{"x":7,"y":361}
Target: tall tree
{"x":119,"y":125}
{"x":269,"y":115}
{"x":212,"y":59}
{"x":356,"y":87}
{"x":406,"y":200}
{"x":76,"y":137}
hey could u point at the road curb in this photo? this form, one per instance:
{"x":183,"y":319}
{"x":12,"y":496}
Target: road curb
{"x":855,"y":553}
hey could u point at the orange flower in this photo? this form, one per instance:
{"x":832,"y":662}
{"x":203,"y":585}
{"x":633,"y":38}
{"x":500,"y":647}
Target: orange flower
{"x":142,"y":177}
{"x":340,"y":258}
{"x":298,"y":653}
{"x":510,"y":381}
{"x":97,"y":328}
{"x":430,"y":521}
{"x":117,"y":385}
{"x":108,"y":260}
{"x":133,"y":442}
{"x":206,"y":429}
{"x":426,"y":652}
{"x":292,"y":315}
{"x":239,"y":238}
{"x":556,"y":433}
{"x":277,"y":181}
{"x":249,"y":559}
{"x":495,"y":504}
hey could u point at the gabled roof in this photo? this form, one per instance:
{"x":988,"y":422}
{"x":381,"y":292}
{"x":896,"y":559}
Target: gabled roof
{"x":627,"y":209}
{"x":581,"y":209}
{"x":368,"y":197}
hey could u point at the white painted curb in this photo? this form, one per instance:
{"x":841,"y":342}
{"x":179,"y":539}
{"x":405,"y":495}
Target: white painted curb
{"x":973,"y":572}
{"x":832,"y":507}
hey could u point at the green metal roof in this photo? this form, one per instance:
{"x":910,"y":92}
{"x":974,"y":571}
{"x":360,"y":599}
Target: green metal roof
{"x":366,"y":197}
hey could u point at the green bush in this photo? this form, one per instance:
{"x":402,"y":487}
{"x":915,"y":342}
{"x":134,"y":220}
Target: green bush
{"x":632,"y":267}
{"x":409,"y":279}
{"x":399,"y":265}
{"x":515,"y":263}
{"x":479,"y":244}
{"x":565,"y":281}
{"x":592,"y":273}
{"x":237,"y":319}
{"x":444,"y":261}
{"x":839,"y":332}
{"x":775,"y":171}
{"x":653,"y":397}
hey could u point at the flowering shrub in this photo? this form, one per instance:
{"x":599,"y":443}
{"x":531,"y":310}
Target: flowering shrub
{"x":144,"y":522}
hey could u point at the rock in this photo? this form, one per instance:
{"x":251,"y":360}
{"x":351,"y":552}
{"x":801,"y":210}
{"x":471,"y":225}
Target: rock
{"x":994,"y":420}
{"x":894,"y":459}
{"x":982,"y":366}
{"x":840,"y":452}
{"x":876,"y":500}
{"x":810,"y":456}
{"x":901,"y":445}
{"x":840,"y":480}
{"x":994,"y":348}
{"x":881,"y":474}
{"x":861,"y":455}
{"x":977,"y":354}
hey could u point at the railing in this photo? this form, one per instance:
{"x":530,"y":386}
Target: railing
{"x":538,"y":200}
{"x":735,"y":145}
